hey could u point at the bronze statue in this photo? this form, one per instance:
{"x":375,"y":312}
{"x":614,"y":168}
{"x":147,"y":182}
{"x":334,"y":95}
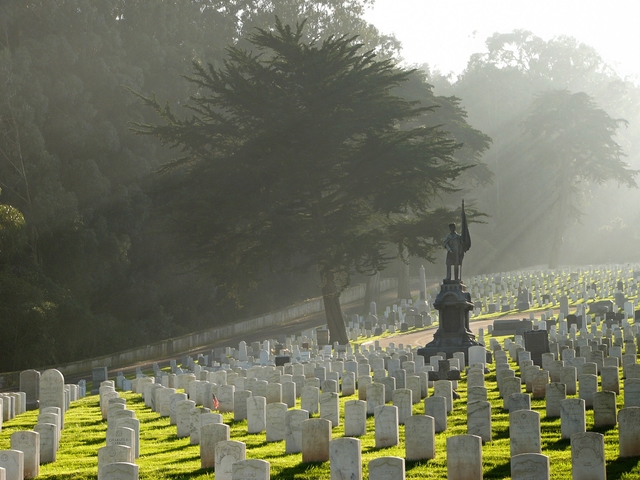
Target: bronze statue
{"x":456,"y":246}
{"x":455,"y":251}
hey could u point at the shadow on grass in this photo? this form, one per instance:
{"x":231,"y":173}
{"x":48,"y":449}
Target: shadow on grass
{"x":603,"y":430}
{"x":558,"y":445}
{"x":411,"y":464}
{"x":499,"y":471}
{"x":621,"y":466}
{"x":299,"y":469}
{"x":500,"y":434}
{"x":545,"y":419}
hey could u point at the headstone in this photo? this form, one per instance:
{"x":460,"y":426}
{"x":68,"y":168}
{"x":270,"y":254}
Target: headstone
{"x":610,"y":379}
{"x":134,"y":425}
{"x":420,"y":438}
{"x":28,"y":442}
{"x":386,"y":426}
{"x":309,"y":399}
{"x":52,"y":392}
{"x":530,"y":466}
{"x":99,"y":375}
{"x":604,"y":409}
{"x":629,"y":432}
{"x":402,"y":399}
{"x":240,"y":404}
{"x":375,"y":396}
{"x":183,"y":417}
{"x":555,"y":394}
{"x":476,"y":394}
{"x":464,"y":457}
{"x":345,"y":458}
{"x":510,"y":386}
{"x":293,"y":430}
{"x":252,"y":469}
{"x":444,"y":388}
{"x":330,"y":408}
{"x":536,"y":342}
{"x":572,"y":417}
{"x":588,"y":386}
{"x":48,"y":441}
{"x":120,"y":471}
{"x":519,"y":401}
{"x":355,"y":418}
{"x":12,"y":461}
{"x":210,"y":435}
{"x":524,"y":432}
{"x":112,"y":454}
{"x":436,"y":407}
{"x":227,"y":453}
{"x":256,"y":414}
{"x":587,"y":456}
{"x":385,"y":468}
{"x":30,"y":385}
{"x":316,"y":435}
{"x":479,"y":420}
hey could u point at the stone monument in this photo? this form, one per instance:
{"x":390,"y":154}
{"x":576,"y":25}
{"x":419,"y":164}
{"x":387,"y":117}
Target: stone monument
{"x":453,"y":301}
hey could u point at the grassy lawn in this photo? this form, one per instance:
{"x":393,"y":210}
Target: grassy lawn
{"x":164,"y":456}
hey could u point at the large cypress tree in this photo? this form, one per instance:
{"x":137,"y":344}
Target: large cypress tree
{"x":302,"y":156}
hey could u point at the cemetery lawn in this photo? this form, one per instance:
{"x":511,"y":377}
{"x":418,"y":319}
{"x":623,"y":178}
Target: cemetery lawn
{"x":163,"y":456}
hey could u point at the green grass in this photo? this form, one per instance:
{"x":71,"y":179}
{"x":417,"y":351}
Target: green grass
{"x":165,"y":457}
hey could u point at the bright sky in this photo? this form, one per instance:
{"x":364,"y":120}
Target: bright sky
{"x":444,"y":33}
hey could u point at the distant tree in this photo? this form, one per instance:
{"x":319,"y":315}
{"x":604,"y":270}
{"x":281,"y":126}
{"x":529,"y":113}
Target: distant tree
{"x":497,"y":90}
{"x":573,"y":140}
{"x":294,"y":159}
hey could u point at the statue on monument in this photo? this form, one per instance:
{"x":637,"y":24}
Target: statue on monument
{"x":456,"y":245}
{"x":453,"y":303}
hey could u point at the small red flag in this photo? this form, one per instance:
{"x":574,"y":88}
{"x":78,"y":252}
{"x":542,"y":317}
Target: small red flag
{"x":216,"y":403}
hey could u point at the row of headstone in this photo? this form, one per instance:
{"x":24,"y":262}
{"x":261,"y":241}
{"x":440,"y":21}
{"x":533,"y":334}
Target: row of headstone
{"x":587,"y":447}
{"x":554,"y":288}
{"x":32,"y":448}
{"x":117,"y":459}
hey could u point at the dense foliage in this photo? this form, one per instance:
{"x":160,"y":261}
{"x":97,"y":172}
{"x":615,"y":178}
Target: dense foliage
{"x":86,"y":271}
{"x":294,"y":158}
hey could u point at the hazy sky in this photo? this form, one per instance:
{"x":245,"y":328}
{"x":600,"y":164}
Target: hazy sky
{"x":444,"y":33}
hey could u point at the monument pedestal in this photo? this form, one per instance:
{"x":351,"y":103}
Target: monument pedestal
{"x":453,"y":335}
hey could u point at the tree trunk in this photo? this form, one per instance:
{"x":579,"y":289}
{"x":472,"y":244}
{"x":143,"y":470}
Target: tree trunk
{"x":372,"y":293}
{"x":332,"y":309}
{"x":554,"y":255}
{"x":404,"y":284}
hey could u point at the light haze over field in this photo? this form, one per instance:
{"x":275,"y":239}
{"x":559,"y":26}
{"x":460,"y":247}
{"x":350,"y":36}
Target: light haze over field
{"x":445,"y":33}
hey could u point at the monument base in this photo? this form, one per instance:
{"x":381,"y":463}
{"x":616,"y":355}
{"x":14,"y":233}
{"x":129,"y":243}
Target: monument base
{"x":453,"y":334}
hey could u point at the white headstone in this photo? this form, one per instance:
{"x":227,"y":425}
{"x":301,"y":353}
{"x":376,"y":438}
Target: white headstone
{"x":210,"y":435}
{"x":316,"y":435}
{"x":386,"y":426}
{"x":587,"y":456}
{"x":530,"y":466}
{"x":524,"y":432}
{"x":28,"y":442}
{"x":251,"y":469}
{"x":345,"y":459}
{"x":293,"y":430}
{"x":464,"y":457}
{"x":419,"y":437}
{"x":227,"y":453}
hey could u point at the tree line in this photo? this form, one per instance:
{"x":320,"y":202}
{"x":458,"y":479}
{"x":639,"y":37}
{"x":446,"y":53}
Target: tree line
{"x":303,"y":157}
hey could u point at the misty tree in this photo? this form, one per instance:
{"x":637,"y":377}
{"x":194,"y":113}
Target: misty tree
{"x":573,"y":141}
{"x":498,"y":88}
{"x":294,"y":159}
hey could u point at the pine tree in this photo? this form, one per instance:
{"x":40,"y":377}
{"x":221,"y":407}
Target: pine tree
{"x":296,"y":158}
